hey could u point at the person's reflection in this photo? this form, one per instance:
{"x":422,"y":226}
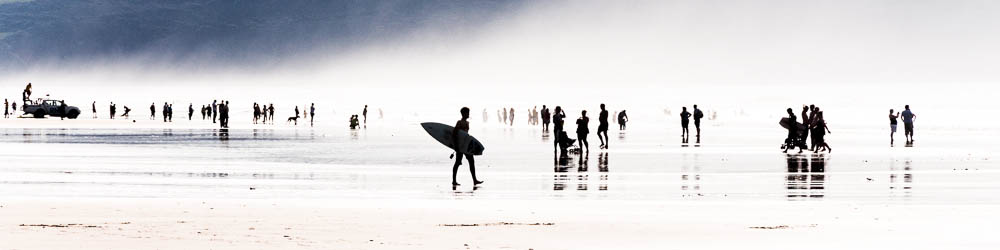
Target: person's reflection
{"x":894,"y":182}
{"x":223,"y":134}
{"x":561,"y":164}
{"x":690,"y":176}
{"x":806,"y":177}
{"x":581,"y":176}
{"x":602,"y":167}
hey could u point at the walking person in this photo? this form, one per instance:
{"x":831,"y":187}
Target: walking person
{"x":462,"y":125}
{"x":546,"y":117}
{"x":93,"y":108}
{"x":908,"y":118}
{"x":805,"y":121}
{"x":892,"y":126}
{"x":152,"y":111}
{"x":602,"y":128}
{"x":819,"y":134}
{"x":685,"y":120}
{"x":582,"y":129}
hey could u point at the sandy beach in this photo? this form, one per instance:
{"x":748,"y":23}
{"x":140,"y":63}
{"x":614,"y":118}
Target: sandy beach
{"x":473,"y":224}
{"x":156,"y":186}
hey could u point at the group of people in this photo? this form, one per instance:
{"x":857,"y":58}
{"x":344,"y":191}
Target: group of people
{"x":261,"y":113}
{"x":6,"y":110}
{"x":812,"y":123}
{"x":686,"y":119}
{"x":168,"y":112}
{"x":908,"y":118}
{"x":543,"y":117}
{"x":562,"y":141}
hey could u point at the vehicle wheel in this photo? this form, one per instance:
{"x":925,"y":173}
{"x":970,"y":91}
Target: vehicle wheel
{"x":72,"y":114}
{"x":39,"y":113}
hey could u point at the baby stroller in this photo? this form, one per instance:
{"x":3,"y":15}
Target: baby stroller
{"x":796,"y":135}
{"x":565,"y":143}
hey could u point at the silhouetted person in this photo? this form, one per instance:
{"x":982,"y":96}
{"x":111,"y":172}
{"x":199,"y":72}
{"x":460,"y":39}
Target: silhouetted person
{"x":263,"y":113}
{"x":215,"y":110}
{"x":805,"y":120}
{"x":697,"y":120}
{"x":813,"y":110}
{"x":622,"y":119}
{"x":256,"y":113}
{"x":170,"y":112}
{"x":296,"y":114}
{"x":462,"y":125}
{"x":546,"y":117}
{"x":224,"y":114}
{"x":504,"y":115}
{"x":166,"y":111}
{"x":312,"y":113}
{"x":26,"y":94}
{"x":13,"y":106}
{"x":558,"y":121}
{"x":93,"y":108}
{"x":354,"y":123}
{"x":908,"y":118}
{"x":602,"y":127}
{"x":111,"y":111}
{"x":270,"y":111}
{"x":203,"y":112}
{"x":126,"y":111}
{"x":582,"y":129}
{"x":62,"y":109}
{"x":152,"y":111}
{"x":190,"y":111}
{"x":512,"y":116}
{"x":892,"y":125}
{"x":6,"y":110}
{"x":685,"y":119}
{"x":364,"y":113}
{"x":819,"y":133}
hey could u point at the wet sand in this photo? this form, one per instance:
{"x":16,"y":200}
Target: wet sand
{"x":162,"y":187}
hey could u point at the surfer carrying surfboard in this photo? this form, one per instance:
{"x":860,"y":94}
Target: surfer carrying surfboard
{"x":462,"y":125}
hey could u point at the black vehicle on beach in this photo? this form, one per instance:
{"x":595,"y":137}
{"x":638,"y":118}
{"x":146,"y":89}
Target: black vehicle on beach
{"x":49,"y":107}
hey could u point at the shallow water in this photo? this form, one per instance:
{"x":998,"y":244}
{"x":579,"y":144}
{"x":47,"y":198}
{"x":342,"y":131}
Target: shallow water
{"x":644,"y":163}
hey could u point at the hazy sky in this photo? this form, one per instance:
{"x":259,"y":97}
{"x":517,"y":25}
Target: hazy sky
{"x":642,"y":52}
